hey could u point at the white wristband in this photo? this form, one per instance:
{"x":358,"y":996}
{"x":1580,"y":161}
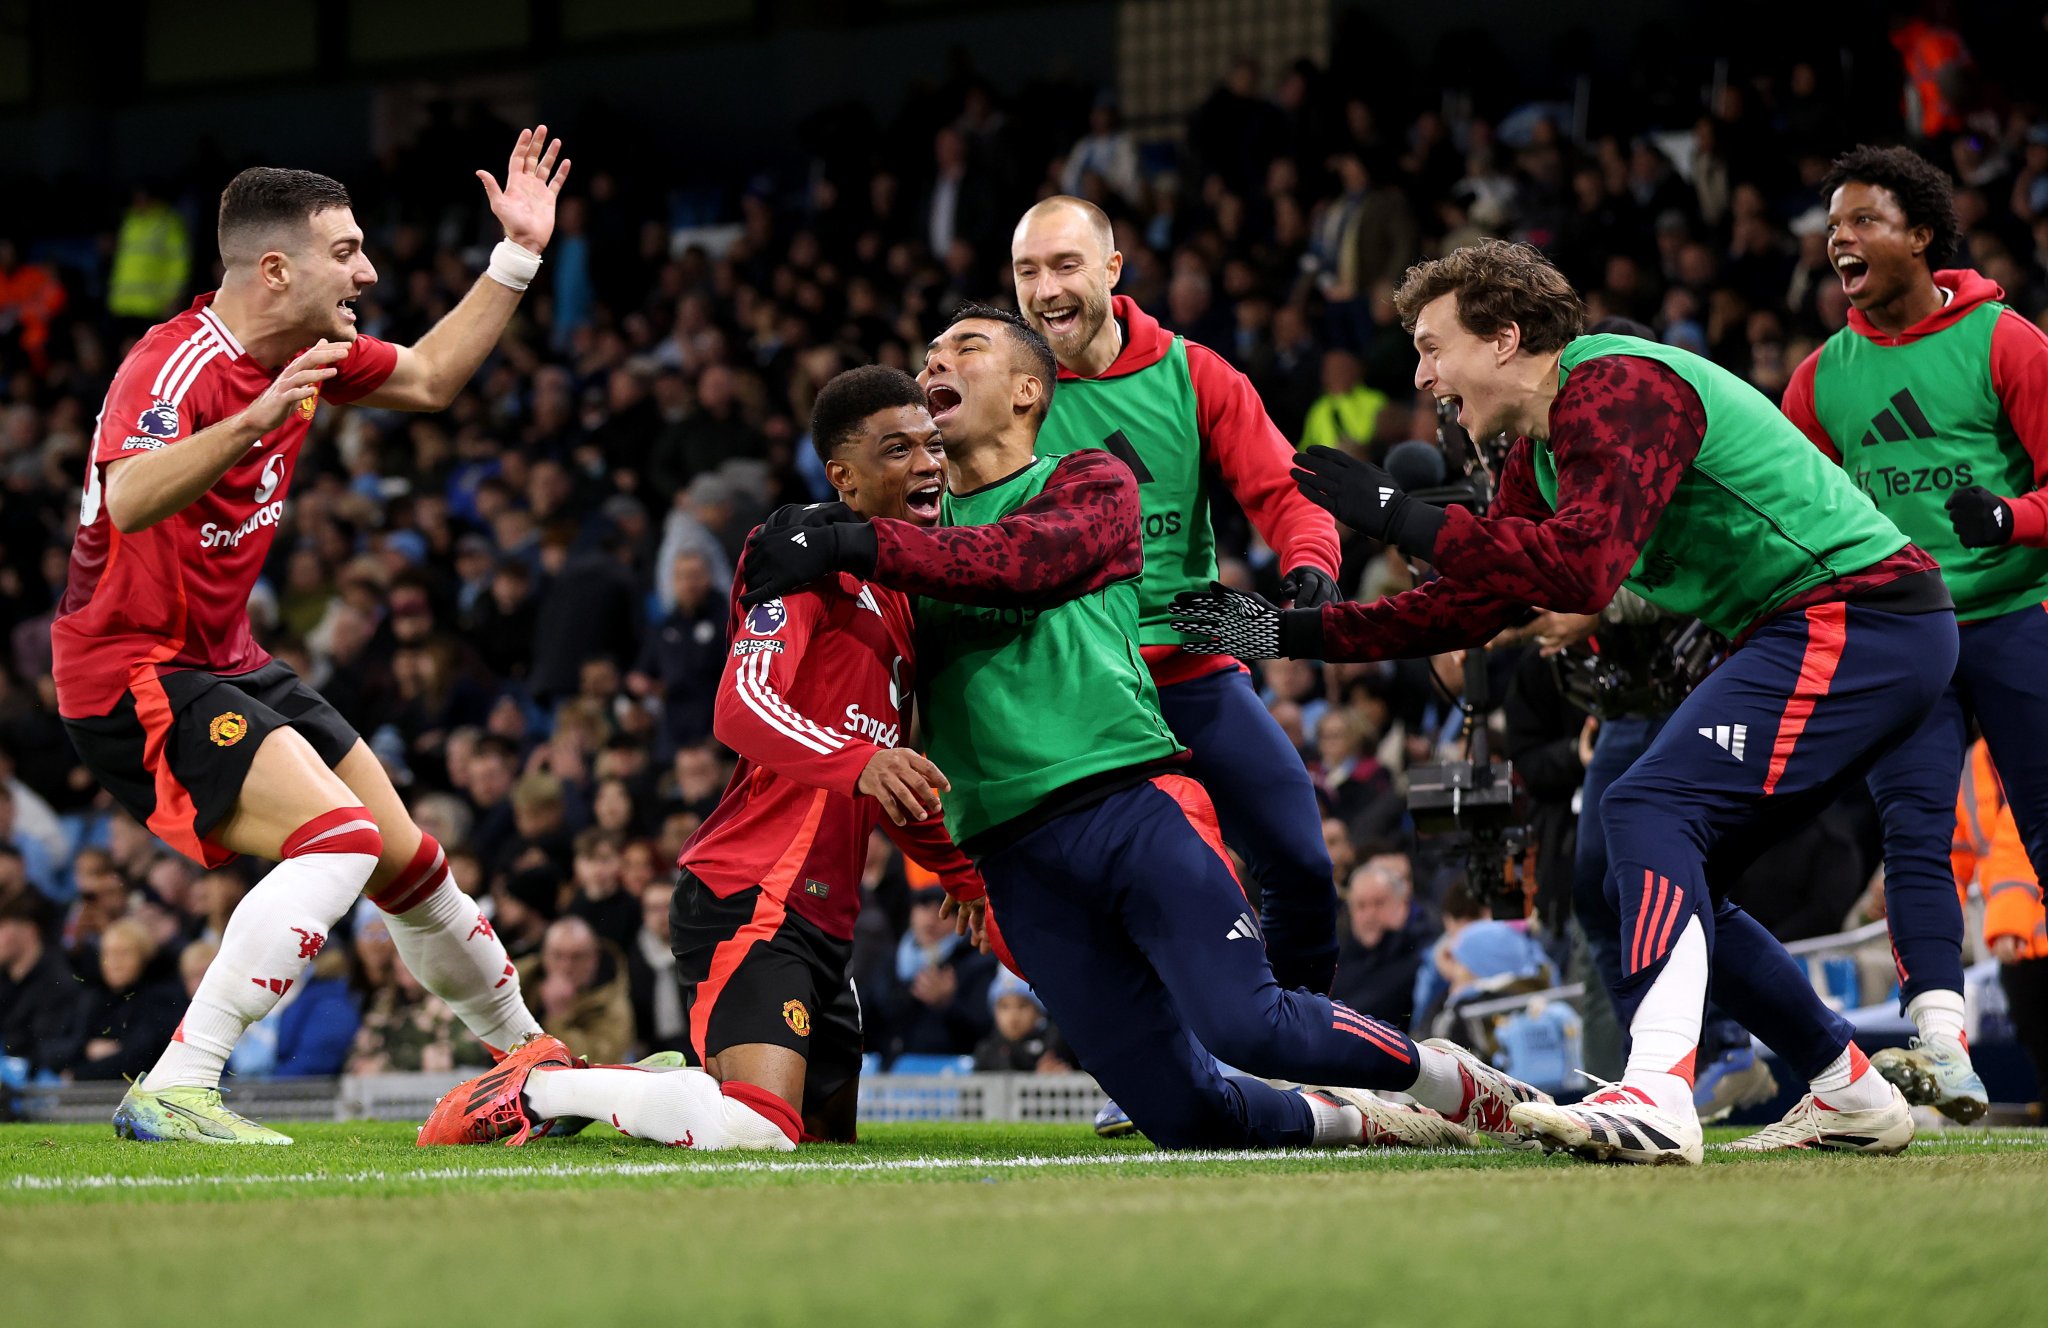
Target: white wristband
{"x":513,"y":265}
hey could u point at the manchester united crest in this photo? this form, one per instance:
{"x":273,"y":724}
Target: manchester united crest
{"x":227,"y":729}
{"x":307,"y":405}
{"x":797,"y":1017}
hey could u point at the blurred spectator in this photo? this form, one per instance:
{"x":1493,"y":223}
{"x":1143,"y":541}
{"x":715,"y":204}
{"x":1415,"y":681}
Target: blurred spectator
{"x":31,"y":297}
{"x":598,"y":899}
{"x":576,"y":986}
{"x":524,"y":903}
{"x":152,"y":261}
{"x":679,"y":667}
{"x":934,"y":1001}
{"x":129,"y":1021}
{"x":317,"y":1024}
{"x":42,"y":1005}
{"x":1381,"y":947}
{"x":1347,"y":413}
{"x":38,"y":863}
{"x":403,"y":1028}
{"x":1023,"y":1040}
{"x":1104,"y":163}
{"x":651,"y":974}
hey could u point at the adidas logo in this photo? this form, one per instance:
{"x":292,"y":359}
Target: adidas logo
{"x":867,"y":601}
{"x":1386,"y":494}
{"x":1730,"y":738}
{"x":1904,"y":420}
{"x":277,"y":985}
{"x":798,"y":538}
{"x":1244,"y":929}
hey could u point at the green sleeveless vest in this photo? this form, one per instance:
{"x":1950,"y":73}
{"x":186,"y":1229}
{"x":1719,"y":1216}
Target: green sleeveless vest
{"x":1759,"y":515}
{"x":1916,"y":422}
{"x":1019,"y":702}
{"x":1147,"y":421}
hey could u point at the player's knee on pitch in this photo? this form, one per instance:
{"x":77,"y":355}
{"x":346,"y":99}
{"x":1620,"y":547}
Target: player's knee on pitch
{"x":835,"y":1120}
{"x":1189,"y":1117}
{"x":287,"y":786}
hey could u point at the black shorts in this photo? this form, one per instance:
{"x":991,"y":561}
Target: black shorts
{"x":751,"y":972}
{"x":177,"y":754}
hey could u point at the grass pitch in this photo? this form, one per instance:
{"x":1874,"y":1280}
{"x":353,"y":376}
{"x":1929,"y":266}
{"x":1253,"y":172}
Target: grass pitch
{"x":997,"y":1225}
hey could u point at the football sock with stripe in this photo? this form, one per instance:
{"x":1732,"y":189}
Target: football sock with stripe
{"x":684,"y":1108}
{"x":1439,"y":1082}
{"x":1848,"y":1084}
{"x":451,"y":948}
{"x":275,"y":931}
{"x":1938,"y":1015}
{"x":1664,"y":1035}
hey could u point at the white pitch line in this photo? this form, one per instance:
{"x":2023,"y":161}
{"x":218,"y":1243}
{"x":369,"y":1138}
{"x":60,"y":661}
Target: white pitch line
{"x":1954,"y":1141}
{"x":556,"y":1169}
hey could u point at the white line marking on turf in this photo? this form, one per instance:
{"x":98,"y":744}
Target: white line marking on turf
{"x":559,"y":1170}
{"x":1950,"y":1141}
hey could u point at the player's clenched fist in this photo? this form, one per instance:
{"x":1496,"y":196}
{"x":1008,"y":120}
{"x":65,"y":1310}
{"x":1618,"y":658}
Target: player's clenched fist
{"x":300,"y":379}
{"x":905,"y":783}
{"x":780,"y":561}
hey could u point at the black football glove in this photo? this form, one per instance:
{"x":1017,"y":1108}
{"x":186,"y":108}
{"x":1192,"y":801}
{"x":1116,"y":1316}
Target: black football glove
{"x":1366,"y":498}
{"x":1222,"y":621}
{"x":809,"y":514}
{"x":780,"y":561}
{"x":1982,"y":519}
{"x":1309,"y":588}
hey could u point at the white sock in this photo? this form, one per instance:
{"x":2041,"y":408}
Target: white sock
{"x":1664,"y":1036}
{"x":450,"y":947}
{"x":1938,"y":1015}
{"x":684,"y":1108}
{"x":1439,"y":1082}
{"x":276,"y":929}
{"x":1849,"y":1084}
{"x":1337,"y":1123}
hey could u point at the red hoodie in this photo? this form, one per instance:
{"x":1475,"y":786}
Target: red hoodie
{"x":1253,"y":457}
{"x":2019,"y":375}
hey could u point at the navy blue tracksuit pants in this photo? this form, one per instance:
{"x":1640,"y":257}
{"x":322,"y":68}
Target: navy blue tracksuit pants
{"x":1269,"y":813}
{"x":1619,"y":743}
{"x":1129,"y":923}
{"x":2001,"y":678}
{"x":1812,"y":700}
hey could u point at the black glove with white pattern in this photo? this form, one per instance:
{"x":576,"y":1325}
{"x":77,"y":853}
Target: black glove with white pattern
{"x":1222,"y":621}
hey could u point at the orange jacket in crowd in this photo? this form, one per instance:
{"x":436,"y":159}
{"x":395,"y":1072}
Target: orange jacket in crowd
{"x":1987,"y":850}
{"x":31,"y":295}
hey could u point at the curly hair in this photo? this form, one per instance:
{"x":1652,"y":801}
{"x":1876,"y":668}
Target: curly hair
{"x":1497,"y":283}
{"x":1926,"y":194}
{"x":845,"y":402}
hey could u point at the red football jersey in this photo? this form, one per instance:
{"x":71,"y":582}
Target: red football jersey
{"x":177,"y":594}
{"x":815,"y":684}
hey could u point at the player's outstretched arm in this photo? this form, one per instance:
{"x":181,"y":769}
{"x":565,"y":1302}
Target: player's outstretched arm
{"x":143,"y":489}
{"x":1428,"y":620}
{"x":431,"y":372}
{"x":1079,"y":534}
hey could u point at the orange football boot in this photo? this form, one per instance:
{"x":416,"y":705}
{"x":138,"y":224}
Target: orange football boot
{"x":489,"y":1108}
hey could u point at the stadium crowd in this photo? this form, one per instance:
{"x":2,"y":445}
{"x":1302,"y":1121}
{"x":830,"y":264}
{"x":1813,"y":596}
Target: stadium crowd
{"x":522,"y":602}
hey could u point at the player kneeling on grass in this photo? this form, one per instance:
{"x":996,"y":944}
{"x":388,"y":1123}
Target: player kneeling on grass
{"x":177,"y":712}
{"x":1102,"y":857}
{"x":815,"y":699}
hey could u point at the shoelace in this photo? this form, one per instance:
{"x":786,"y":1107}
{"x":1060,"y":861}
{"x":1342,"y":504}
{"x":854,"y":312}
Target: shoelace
{"x":1800,"y":1124}
{"x":1606,"y":1086}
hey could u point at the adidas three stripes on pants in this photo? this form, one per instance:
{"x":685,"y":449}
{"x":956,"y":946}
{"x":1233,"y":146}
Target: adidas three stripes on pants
{"x":1809,"y":703}
{"x":1127,"y":920}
